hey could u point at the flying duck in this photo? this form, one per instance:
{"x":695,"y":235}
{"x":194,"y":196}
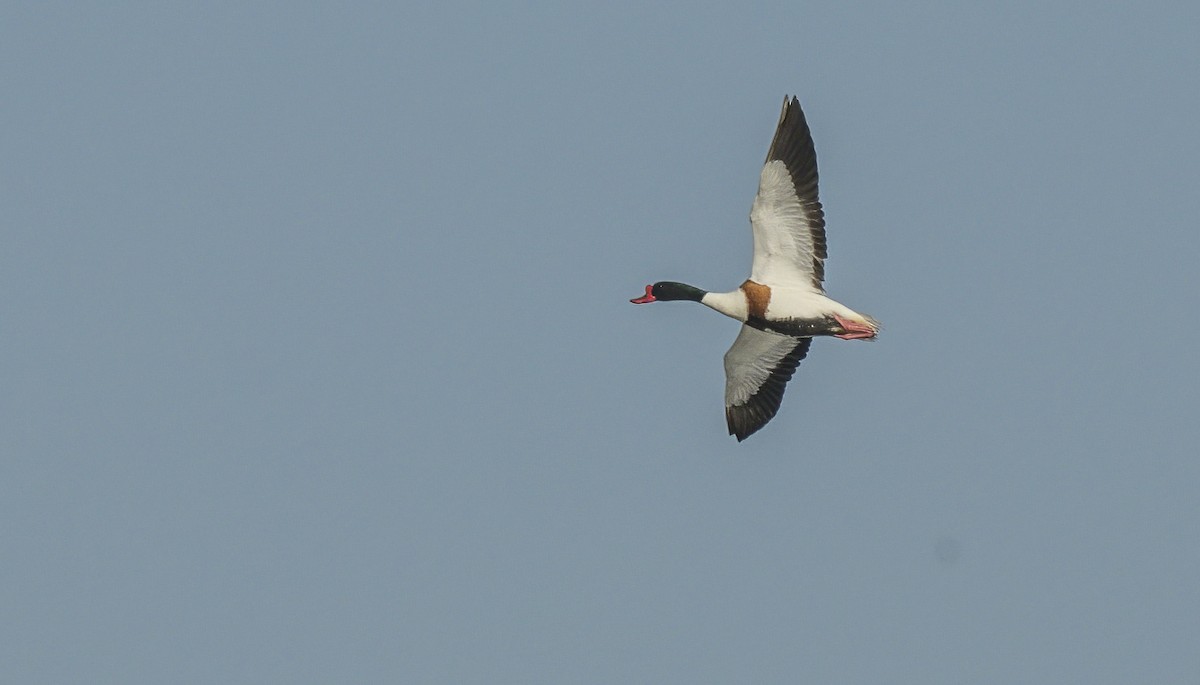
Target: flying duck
{"x":782,"y":306}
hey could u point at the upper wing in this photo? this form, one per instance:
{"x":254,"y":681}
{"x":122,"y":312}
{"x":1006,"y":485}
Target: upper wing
{"x":786,"y":217}
{"x":757,"y":368}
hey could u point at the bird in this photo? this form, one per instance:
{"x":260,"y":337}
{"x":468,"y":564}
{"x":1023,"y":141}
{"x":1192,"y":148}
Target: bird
{"x":783,"y":305}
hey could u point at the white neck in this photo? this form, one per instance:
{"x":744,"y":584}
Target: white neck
{"x":731,"y":304}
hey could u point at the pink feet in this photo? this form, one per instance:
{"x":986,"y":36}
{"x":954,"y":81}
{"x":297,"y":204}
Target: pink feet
{"x":855,"y":330}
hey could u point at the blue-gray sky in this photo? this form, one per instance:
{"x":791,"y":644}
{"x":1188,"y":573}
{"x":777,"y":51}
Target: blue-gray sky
{"x":318,"y":365}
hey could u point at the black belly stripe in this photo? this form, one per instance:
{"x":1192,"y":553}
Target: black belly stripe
{"x":799,"y":328}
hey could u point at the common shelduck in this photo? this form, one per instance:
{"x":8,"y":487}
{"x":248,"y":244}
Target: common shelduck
{"x":782,"y":306}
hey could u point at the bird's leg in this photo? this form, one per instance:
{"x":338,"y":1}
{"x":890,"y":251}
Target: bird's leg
{"x":854,"y":330}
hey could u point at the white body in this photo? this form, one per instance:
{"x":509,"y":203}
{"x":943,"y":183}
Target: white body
{"x":786,"y":303}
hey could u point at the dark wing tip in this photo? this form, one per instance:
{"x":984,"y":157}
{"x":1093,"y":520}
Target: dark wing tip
{"x":793,"y":139}
{"x":744,"y":421}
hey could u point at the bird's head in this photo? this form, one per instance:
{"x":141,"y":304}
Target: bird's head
{"x":666,"y":291}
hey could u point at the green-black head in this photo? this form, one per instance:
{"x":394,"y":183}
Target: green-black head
{"x":665,"y":291}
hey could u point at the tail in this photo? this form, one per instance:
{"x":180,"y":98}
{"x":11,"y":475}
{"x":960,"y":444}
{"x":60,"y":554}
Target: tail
{"x":873,"y":323}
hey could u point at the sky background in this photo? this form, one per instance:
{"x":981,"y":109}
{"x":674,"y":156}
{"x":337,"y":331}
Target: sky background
{"x":317,"y":363}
